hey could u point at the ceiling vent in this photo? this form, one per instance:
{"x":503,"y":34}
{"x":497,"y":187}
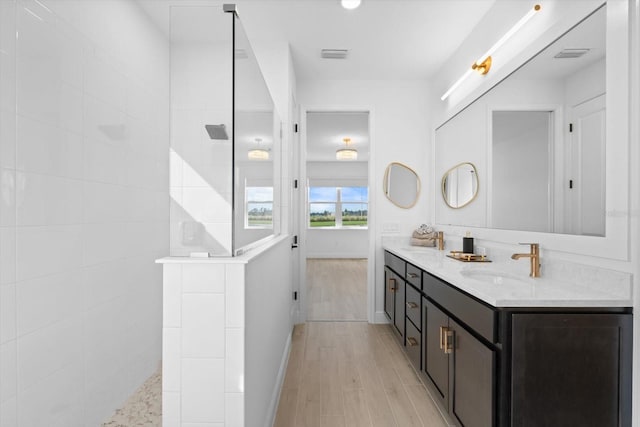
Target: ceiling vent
{"x":571,"y":53}
{"x":334,"y":53}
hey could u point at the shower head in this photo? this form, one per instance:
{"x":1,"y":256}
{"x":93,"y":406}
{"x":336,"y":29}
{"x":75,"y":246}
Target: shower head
{"x":216,"y":131}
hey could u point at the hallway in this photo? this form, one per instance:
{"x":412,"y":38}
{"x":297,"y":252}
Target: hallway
{"x":337,"y":289}
{"x":351,"y":374}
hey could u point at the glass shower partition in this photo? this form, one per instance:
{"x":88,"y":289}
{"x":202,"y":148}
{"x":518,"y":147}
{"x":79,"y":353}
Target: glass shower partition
{"x":225,"y":137}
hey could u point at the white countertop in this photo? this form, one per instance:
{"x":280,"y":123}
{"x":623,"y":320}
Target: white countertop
{"x":501,"y":284}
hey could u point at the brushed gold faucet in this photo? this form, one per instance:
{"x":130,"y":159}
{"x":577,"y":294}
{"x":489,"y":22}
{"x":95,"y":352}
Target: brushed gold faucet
{"x":440,"y":240}
{"x":534,"y":257}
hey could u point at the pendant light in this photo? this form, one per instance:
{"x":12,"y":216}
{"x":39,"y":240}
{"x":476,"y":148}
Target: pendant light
{"x":346,"y":153}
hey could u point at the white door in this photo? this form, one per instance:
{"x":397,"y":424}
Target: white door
{"x":586,"y":186}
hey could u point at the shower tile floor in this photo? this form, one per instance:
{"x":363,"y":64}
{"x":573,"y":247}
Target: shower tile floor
{"x":143,"y":408}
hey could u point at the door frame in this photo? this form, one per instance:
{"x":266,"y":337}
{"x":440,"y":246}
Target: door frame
{"x":302,"y":208}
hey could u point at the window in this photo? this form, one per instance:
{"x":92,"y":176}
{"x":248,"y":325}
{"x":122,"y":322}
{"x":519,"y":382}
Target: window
{"x":338,"y":207}
{"x":259,"y":207}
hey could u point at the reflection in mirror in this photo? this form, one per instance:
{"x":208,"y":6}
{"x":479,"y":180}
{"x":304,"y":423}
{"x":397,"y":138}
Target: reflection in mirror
{"x":255,"y":143}
{"x":401,"y":185}
{"x":544,"y":150}
{"x":460,"y":185}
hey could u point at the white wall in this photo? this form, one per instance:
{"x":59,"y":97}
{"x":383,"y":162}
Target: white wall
{"x":399,"y":132}
{"x":84,"y":157}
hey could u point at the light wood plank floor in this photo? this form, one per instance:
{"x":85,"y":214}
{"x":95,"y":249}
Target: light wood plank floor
{"x":344,"y":374}
{"x":337,"y":289}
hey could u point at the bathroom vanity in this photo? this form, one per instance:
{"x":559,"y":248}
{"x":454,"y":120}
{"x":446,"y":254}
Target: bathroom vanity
{"x":499,"y":349}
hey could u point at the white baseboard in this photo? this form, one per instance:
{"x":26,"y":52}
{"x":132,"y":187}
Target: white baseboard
{"x":380,"y":317}
{"x":275,"y":397}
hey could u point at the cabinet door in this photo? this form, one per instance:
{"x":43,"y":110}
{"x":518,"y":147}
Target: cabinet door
{"x":391,"y":283}
{"x":399,"y":307}
{"x":473,"y":380}
{"x":436,"y":362}
{"x":571,"y":370}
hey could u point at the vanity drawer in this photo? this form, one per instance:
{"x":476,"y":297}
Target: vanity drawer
{"x":395,"y":263}
{"x":413,"y":310}
{"x":475,"y":314}
{"x":414,"y":276}
{"x":413,"y":345}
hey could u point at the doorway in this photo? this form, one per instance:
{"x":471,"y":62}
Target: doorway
{"x":335,"y":220}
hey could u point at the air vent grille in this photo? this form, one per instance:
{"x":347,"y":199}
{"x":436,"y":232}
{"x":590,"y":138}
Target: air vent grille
{"x":334,"y":53}
{"x":571,"y":53}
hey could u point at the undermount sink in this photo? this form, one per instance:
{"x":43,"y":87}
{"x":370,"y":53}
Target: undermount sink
{"x":495,"y":277}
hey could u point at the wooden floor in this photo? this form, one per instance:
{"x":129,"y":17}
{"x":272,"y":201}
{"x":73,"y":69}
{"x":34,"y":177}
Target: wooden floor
{"x":337,"y":289}
{"x":344,"y":374}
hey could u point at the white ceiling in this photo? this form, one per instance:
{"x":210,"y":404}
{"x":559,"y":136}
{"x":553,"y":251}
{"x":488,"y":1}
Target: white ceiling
{"x":387,"y":39}
{"x":326,"y":131}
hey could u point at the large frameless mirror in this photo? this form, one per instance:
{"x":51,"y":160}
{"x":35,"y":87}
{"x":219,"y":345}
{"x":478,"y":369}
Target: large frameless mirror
{"x":401,"y":185}
{"x":538,"y":139}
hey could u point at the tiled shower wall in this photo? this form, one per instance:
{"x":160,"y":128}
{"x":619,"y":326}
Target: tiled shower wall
{"x":84,"y":207}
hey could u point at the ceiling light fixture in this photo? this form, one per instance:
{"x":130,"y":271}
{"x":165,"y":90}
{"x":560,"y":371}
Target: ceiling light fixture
{"x":346,"y":153}
{"x":258,"y":153}
{"x":350,"y":4}
{"x":483,"y":64}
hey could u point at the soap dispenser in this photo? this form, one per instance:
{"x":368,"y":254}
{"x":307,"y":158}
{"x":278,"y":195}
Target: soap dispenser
{"x":467,"y":244}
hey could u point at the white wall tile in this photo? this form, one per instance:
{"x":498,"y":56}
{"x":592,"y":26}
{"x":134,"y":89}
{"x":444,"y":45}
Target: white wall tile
{"x":203,"y":397}
{"x":7,"y":312}
{"x":203,"y":278}
{"x":103,"y":202}
{"x":7,"y":197}
{"x":234,"y":296}
{"x":8,"y":371}
{"x":103,"y":282}
{"x":102,"y":242}
{"x":7,"y":255}
{"x":234,"y":361}
{"x":8,"y":413}
{"x":48,"y":350}
{"x":203,"y":325}
{"x":55,"y":400}
{"x":47,"y":200}
{"x":104,"y":82}
{"x":47,"y":250}
{"x":45,"y":300}
{"x":48,"y":149}
{"x":171,"y":359}
{"x":7,"y":130}
{"x":172,"y":295}
{"x":171,"y":409}
{"x":234,"y":410}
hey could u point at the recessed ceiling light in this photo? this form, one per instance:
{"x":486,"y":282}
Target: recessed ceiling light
{"x":350,"y":4}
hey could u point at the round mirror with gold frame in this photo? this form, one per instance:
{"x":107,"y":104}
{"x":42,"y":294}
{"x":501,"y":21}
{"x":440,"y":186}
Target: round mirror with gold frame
{"x":460,"y":185}
{"x":401,"y":185}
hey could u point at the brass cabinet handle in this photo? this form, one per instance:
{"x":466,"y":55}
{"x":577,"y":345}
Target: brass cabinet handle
{"x":392,"y":285}
{"x":412,"y":305}
{"x":412,"y":341}
{"x":448,"y":341}
{"x":412,"y":275}
{"x":442,"y":332}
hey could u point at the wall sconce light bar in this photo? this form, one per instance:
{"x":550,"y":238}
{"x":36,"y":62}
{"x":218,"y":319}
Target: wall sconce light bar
{"x":483,"y":64}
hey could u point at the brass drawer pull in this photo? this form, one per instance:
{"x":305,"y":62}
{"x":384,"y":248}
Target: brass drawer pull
{"x":392,"y":285}
{"x":412,"y":275}
{"x":442,"y":333}
{"x":412,"y":341}
{"x":448,"y":341}
{"x":412,"y":305}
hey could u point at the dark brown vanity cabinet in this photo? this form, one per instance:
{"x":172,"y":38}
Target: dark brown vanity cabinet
{"x":571,"y":369}
{"x":461,"y":368}
{"x":512,"y":367}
